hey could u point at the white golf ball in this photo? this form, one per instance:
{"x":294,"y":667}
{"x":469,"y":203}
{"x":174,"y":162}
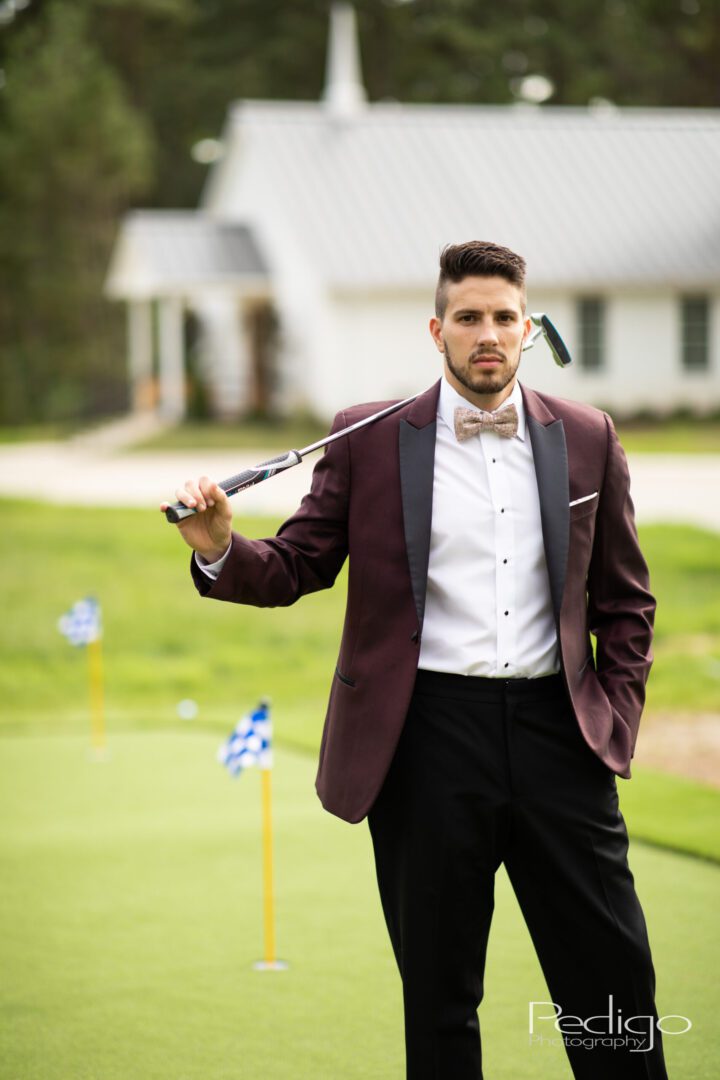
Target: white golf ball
{"x":187,"y":709}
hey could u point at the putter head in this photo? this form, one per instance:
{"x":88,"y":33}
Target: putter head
{"x":555,"y":343}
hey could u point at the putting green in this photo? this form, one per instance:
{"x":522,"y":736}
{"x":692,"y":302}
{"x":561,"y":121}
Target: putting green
{"x":131,"y":903}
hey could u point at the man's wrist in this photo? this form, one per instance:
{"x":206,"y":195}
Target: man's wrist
{"x":213,"y":555}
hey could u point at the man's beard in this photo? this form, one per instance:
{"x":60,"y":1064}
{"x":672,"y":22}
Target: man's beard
{"x":479,"y":381}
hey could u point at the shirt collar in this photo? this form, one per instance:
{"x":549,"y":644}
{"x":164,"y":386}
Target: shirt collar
{"x":449,"y":400}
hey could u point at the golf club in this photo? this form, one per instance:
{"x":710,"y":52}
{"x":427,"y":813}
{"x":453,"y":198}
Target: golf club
{"x":255,"y":475}
{"x":555,"y":343}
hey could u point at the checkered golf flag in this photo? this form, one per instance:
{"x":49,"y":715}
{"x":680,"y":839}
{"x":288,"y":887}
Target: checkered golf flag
{"x":250,"y":743}
{"x":82,"y":623}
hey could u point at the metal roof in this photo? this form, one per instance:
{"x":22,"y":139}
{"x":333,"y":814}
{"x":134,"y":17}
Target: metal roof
{"x":604,"y":196}
{"x":161,"y":252}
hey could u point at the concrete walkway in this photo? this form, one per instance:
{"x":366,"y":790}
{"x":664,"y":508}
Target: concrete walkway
{"x":96,"y":470}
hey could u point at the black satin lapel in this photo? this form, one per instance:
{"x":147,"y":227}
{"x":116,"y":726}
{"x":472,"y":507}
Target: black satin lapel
{"x":417,"y":463}
{"x":551,"y":469}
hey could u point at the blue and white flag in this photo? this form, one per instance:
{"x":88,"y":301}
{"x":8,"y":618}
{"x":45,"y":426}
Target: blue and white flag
{"x":82,"y":623}
{"x":250,"y":743}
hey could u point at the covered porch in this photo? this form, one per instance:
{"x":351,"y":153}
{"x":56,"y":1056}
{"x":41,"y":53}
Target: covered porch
{"x":199,"y":307}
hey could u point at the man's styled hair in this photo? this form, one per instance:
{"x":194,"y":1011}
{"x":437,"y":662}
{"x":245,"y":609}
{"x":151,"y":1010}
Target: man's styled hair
{"x":477,"y":258}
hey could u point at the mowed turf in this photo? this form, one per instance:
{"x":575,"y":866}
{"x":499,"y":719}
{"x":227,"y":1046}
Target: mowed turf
{"x":131,"y":912}
{"x":163,"y":642}
{"x":130,"y":891}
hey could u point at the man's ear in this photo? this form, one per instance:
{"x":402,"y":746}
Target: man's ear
{"x":528,"y":328}
{"x":435,"y":327}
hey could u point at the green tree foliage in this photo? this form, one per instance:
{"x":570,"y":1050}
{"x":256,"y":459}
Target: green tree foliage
{"x":183,"y":61}
{"x":92,"y":88}
{"x":72,"y":154}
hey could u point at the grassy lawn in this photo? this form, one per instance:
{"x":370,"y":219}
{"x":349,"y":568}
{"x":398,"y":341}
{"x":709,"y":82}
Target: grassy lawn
{"x":672,"y":812}
{"x":291,"y":434}
{"x":130,"y":889}
{"x":163,"y":642}
{"x":38,"y":432}
{"x":670,"y":436}
{"x":701,"y":436}
{"x":131,"y":901}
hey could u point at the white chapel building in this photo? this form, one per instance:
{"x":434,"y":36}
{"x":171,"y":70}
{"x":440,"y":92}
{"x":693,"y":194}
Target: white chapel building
{"x":309,"y":269}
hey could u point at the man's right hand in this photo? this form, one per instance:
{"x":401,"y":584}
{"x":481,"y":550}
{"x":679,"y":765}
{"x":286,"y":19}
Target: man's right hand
{"x":209,"y":531}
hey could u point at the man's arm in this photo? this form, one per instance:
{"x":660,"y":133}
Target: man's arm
{"x":305,"y":555}
{"x":621,"y":608}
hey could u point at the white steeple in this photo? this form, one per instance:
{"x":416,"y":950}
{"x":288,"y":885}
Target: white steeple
{"x":344,"y":93}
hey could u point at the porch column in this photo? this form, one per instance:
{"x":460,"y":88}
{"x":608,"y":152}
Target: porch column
{"x":172,"y":360}
{"x":140,"y":355}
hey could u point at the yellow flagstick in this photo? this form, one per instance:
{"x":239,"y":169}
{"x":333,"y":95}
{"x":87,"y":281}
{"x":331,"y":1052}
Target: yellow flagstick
{"x":270,"y":963}
{"x":97,"y":697}
{"x":268,"y":869}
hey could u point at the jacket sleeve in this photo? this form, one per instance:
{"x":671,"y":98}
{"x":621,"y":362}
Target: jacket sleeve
{"x":308,"y":550}
{"x":621,"y":608}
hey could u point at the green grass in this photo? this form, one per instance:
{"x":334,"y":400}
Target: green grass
{"x":130,"y":890}
{"x":131,"y":902}
{"x":673,"y":435}
{"x":665,"y":436}
{"x":684,"y":564}
{"x":672,"y":812}
{"x":39,"y":432}
{"x":701,"y":436}
{"x":263,"y":434}
{"x":163,"y":642}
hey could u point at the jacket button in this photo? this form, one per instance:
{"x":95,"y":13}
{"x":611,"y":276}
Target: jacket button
{"x":414,"y":635}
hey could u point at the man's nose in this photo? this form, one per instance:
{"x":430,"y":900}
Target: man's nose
{"x":487,"y":332}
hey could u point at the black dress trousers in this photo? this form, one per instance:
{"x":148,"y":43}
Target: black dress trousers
{"x":491,"y":771}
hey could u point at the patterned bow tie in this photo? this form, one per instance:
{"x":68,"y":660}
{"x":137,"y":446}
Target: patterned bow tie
{"x":469,"y":422}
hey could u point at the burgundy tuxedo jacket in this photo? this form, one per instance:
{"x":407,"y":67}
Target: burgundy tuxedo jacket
{"x":371,"y":500}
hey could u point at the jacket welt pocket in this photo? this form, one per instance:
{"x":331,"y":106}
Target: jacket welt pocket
{"x":344,"y":678}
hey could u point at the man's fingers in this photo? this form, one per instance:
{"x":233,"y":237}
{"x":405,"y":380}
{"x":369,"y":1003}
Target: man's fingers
{"x":191,"y":495}
{"x":218,"y":497}
{"x":183,"y":496}
{"x":206,"y":486}
{"x":213,"y":493}
{"x":200,"y":495}
{"x":194,"y":488}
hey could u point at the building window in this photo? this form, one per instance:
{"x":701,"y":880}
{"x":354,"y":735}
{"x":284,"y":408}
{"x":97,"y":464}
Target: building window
{"x":591,"y":332}
{"x":695,"y":333}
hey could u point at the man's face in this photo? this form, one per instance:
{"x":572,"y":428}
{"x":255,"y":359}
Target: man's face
{"x":481,"y":336}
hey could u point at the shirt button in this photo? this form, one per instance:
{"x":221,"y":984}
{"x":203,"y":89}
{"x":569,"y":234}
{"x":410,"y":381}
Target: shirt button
{"x":504,"y":560}
{"x":507,"y":665}
{"x":502,"y":511}
{"x":507,"y":612}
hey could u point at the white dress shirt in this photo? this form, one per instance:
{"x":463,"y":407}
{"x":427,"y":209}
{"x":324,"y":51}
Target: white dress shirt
{"x":488,"y":609}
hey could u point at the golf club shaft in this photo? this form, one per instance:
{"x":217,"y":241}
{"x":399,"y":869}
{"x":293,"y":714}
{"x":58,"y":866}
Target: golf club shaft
{"x":249,"y":477}
{"x":255,"y":475}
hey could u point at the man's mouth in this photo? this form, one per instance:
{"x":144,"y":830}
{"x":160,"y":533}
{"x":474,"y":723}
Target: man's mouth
{"x":487,"y":358}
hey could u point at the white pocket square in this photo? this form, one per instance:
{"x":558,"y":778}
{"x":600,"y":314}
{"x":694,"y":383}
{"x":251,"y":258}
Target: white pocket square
{"x":585,"y":498}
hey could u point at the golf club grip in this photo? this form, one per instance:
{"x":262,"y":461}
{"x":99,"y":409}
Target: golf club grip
{"x":248,"y":478}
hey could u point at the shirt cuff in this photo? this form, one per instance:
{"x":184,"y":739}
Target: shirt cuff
{"x":212,"y":569}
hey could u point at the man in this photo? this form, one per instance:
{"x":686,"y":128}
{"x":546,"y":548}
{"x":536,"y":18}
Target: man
{"x":490,"y":530}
